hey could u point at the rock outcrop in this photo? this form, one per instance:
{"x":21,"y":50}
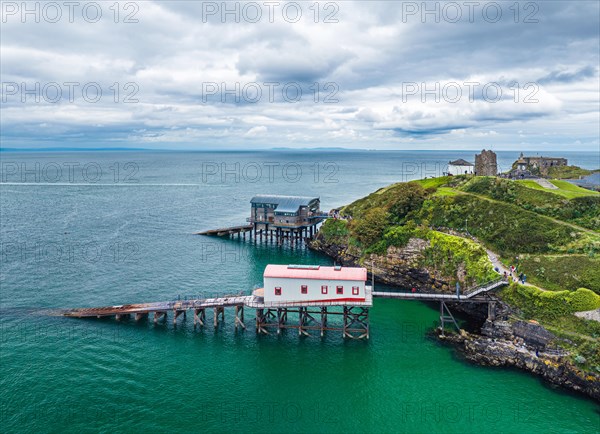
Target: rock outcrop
{"x":525,"y":346}
{"x":519,"y":344}
{"x":400,"y":266}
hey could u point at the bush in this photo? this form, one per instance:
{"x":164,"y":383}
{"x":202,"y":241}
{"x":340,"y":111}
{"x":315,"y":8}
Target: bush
{"x":405,"y":199}
{"x":550,"y":305}
{"x":398,"y":236}
{"x":369,"y":230}
{"x":449,"y":253}
{"x":583,"y":299}
{"x":334,"y":231}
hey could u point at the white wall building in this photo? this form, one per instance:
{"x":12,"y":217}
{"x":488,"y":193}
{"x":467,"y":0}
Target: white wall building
{"x":460,"y":167}
{"x":298,"y":283}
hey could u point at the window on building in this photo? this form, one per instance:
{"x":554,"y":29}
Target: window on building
{"x":323,"y":289}
{"x":304,"y":289}
{"x":339,"y":290}
{"x":355,"y":290}
{"x":277,"y":290}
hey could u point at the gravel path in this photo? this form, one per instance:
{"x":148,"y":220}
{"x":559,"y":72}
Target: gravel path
{"x":546,"y":184}
{"x":590,"y":314}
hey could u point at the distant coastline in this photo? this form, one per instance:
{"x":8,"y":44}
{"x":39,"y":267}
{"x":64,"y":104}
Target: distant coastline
{"x":282,"y":149}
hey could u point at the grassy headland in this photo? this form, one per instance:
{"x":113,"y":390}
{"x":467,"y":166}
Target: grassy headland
{"x":553,"y":236}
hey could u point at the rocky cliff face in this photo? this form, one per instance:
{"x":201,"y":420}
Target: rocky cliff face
{"x":400,"y":266}
{"x":519,"y":344}
{"x":526,"y":346}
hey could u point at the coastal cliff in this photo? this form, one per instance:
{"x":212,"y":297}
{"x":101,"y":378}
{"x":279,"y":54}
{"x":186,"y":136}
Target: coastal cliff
{"x":397,"y":234}
{"x":517,"y":344}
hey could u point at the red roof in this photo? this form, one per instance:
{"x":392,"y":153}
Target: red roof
{"x":323,"y":273}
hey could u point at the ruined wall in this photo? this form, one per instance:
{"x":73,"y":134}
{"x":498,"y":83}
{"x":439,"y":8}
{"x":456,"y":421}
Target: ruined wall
{"x":485,"y":164}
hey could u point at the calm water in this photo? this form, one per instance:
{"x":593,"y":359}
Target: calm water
{"x":101,"y":228}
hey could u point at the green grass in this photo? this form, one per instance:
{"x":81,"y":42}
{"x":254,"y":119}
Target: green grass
{"x":565,"y":188}
{"x":569,"y":203}
{"x":532,"y":184}
{"x":570,"y":190}
{"x":567,"y":172}
{"x":433,"y":182}
{"x":554,"y":311}
{"x":565,"y":272}
{"x":445,"y":191}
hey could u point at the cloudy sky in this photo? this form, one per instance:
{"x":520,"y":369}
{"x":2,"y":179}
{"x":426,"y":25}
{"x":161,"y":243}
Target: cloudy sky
{"x":244,"y":75}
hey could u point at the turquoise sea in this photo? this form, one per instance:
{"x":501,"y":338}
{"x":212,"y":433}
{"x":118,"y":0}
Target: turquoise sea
{"x":103,"y":228}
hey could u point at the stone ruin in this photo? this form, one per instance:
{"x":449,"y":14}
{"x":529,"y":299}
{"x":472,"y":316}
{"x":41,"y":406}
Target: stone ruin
{"x":486,"y":164}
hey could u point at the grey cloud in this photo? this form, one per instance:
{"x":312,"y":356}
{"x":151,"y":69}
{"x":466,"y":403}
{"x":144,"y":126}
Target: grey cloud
{"x":569,"y":76}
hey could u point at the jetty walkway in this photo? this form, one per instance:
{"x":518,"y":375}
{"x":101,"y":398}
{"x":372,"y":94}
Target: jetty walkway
{"x":312,"y":316}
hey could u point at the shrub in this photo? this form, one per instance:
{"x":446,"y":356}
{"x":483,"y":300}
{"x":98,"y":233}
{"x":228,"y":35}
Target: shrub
{"x":334,"y":231}
{"x":398,"y":236}
{"x":550,"y":305}
{"x":405,"y":199}
{"x":583,"y":299}
{"x":449,"y":253}
{"x":369,"y":229}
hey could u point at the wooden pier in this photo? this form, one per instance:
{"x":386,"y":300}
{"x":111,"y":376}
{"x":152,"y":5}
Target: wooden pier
{"x":233,"y":230}
{"x":311,"y":318}
{"x":277,"y":218}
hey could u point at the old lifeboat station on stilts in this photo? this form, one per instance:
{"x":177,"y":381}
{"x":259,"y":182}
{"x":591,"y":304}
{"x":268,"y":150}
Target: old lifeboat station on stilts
{"x":300,"y":297}
{"x":312,"y":299}
{"x":283,"y":218}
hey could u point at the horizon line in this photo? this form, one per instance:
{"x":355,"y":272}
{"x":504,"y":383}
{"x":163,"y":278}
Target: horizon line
{"x":319,"y":148}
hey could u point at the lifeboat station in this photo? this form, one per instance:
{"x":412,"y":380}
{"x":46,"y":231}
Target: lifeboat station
{"x":312,"y":299}
{"x":279,"y":218}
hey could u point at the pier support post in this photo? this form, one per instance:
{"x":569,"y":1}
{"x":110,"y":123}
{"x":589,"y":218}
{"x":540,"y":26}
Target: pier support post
{"x":158,"y":315}
{"x":261,"y":321}
{"x":281,"y":319}
{"x":323,"y":320}
{"x":239,"y":317}
{"x":140,"y":315}
{"x":219,"y":312}
{"x":176,"y":314}
{"x":199,"y":317}
{"x":356,"y":322}
{"x":446,"y":316}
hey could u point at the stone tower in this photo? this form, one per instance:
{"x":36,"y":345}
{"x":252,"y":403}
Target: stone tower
{"x":485,"y":164}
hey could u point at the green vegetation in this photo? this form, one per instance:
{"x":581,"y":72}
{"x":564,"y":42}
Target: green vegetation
{"x":546,"y":305}
{"x":562,"y":272}
{"x":583,"y":209}
{"x":445,"y":191}
{"x":567,"y":172}
{"x":505,"y":228}
{"x":335,"y":231}
{"x":555,"y":234}
{"x":369,"y":229}
{"x":571,"y":190}
{"x":554,"y":310}
{"x":451,"y":254}
{"x":399,"y":200}
{"x":565,"y":188}
{"x":433,"y":182}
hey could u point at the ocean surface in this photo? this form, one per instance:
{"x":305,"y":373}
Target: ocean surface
{"x":104,"y":228}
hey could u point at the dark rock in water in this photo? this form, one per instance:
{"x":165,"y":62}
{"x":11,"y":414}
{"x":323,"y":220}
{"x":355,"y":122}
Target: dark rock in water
{"x":551,"y":364}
